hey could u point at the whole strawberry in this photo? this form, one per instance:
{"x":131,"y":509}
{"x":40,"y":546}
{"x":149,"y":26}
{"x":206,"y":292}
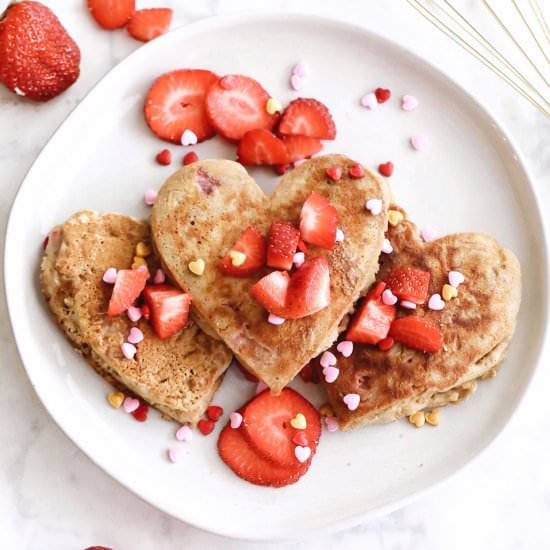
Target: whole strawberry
{"x":38,"y":59}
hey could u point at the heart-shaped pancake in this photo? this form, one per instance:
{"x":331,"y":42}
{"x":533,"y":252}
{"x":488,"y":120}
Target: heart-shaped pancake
{"x":201,"y":211}
{"x":476,"y":326}
{"x":177,"y":375}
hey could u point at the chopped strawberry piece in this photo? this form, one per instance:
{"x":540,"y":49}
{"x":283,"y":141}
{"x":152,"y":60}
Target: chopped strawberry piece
{"x":168,"y":309}
{"x":252,"y":244}
{"x":281,"y":245}
{"x":190,"y":158}
{"x":149,"y":23}
{"x":377,"y":291}
{"x":164,"y":157}
{"x":271,"y":291}
{"x":371,"y":322}
{"x":309,"y":373}
{"x":386,"y":343}
{"x":281,"y":168}
{"x":261,"y":147}
{"x":409,"y":284}
{"x":301,"y":147}
{"x":128,"y":286}
{"x":248,"y":375}
{"x":236,"y":104}
{"x":318,"y":221}
{"x":266,"y":425}
{"x":111,"y":14}
{"x":302,"y":246}
{"x":214,"y":412}
{"x":417,"y":333}
{"x":140,"y":414}
{"x":175,"y":103}
{"x":145,"y":312}
{"x":307,"y":117}
{"x":205,"y":426}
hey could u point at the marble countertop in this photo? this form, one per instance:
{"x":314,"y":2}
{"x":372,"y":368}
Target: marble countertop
{"x":55,"y":498}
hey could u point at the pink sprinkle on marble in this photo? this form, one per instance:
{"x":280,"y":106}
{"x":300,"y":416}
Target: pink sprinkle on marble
{"x":109,"y":276}
{"x":407,"y":305}
{"x":387,"y":248}
{"x":134,"y":314}
{"x":299,"y":259}
{"x":159,"y":277}
{"x":369,"y":101}
{"x":419,"y":142}
{"x":175,"y":454}
{"x":300,"y":69}
{"x":436,"y":302}
{"x":456,"y":278}
{"x":331,"y":374}
{"x":296,"y":82}
{"x":339,"y":235}
{"x":389,"y":298}
{"x":128,"y":350}
{"x":130,"y":404}
{"x":260,"y":387}
{"x":328,"y":359}
{"x":351,"y":400}
{"x":275,"y":319}
{"x":345,"y":347}
{"x":150,"y":197}
{"x":135,"y":336}
{"x":184,"y":433}
{"x":429,"y":234}
{"x":409,"y":103}
{"x":331,"y":424}
{"x":374,"y":206}
{"x":235,"y":420}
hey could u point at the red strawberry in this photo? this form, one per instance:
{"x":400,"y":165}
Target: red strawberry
{"x":128,"y":286}
{"x":386,"y":343}
{"x":281,"y":168}
{"x":236,"y":104}
{"x":410,"y":284}
{"x":164,"y":157}
{"x":145,"y":312}
{"x":249,"y":376}
{"x":112,"y":14}
{"x":271,"y":291}
{"x":140,"y":414}
{"x":261,"y":147}
{"x":309,"y":373}
{"x":377,"y":291}
{"x":149,"y":23}
{"x":417,"y":333}
{"x":214,"y":412}
{"x":205,"y":426}
{"x":386,"y":169}
{"x":175,"y":103}
{"x":318,"y":221}
{"x":382,"y":94}
{"x":266,"y":425}
{"x":38,"y":59}
{"x":334,"y":173}
{"x":301,"y":147}
{"x":371,"y":322}
{"x":307,"y":117}
{"x":252,"y":244}
{"x":190,"y":158}
{"x":168,"y":308}
{"x":281,"y":245}
{"x":302,"y":246}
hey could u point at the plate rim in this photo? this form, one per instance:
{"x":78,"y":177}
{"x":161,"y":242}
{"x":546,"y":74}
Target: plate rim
{"x":209,"y":24}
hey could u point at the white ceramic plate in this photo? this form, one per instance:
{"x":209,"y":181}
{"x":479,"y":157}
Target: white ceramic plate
{"x":102,"y":158}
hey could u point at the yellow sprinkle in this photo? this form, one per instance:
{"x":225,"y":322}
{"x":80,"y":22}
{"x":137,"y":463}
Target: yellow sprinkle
{"x":326,"y":410}
{"x":138,"y":261}
{"x":299,"y":422}
{"x":197,"y":266}
{"x":273,"y":106}
{"x":237,"y":258}
{"x":449,"y":292}
{"x":394,"y":217}
{"x":418,"y":419}
{"x":432,"y":418}
{"x":143,"y":250}
{"x":115,"y":399}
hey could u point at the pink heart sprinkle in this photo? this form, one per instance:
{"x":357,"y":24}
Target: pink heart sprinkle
{"x":409,"y":103}
{"x":175,"y":454}
{"x":389,"y":298}
{"x":159,"y":277}
{"x":235,"y":420}
{"x":351,"y":400}
{"x":302,"y":453}
{"x":135,"y":336}
{"x":419,"y":142}
{"x":369,"y":101}
{"x":260,"y":387}
{"x":188,"y":138}
{"x":300,"y":69}
{"x":109,"y":276}
{"x":345,"y":348}
{"x":184,"y":433}
{"x":130,"y":404}
{"x":407,"y":305}
{"x":387,"y":248}
{"x":339,"y":235}
{"x":275,"y":319}
{"x":299,"y":259}
{"x":436,"y":302}
{"x":296,"y":82}
{"x":456,"y":278}
{"x":331,"y":423}
{"x":429,"y":234}
{"x":128,"y":350}
{"x":150,"y":197}
{"x":328,"y":359}
{"x":374,"y":206}
{"x":134,"y":314}
{"x":331,"y":374}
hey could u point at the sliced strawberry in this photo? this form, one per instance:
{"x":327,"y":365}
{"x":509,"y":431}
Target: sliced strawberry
{"x":111,"y":14}
{"x":175,"y":103}
{"x":302,"y":246}
{"x":307,"y":117}
{"x":249,"y":376}
{"x":410,"y":284}
{"x":168,"y":308}
{"x":301,"y":147}
{"x":252,"y":244}
{"x":266,"y":424}
{"x":309,"y":289}
{"x":128,"y":286}
{"x":282,"y":242}
{"x":236,"y":104}
{"x":261,"y":147}
{"x":318,"y":221}
{"x":371,"y":322}
{"x":417,"y":333}
{"x":149,"y":23}
{"x":271,"y":291}
{"x":377,"y":291}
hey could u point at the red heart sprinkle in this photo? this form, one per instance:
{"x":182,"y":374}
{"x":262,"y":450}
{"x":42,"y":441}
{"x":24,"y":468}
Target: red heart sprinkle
{"x":382,"y":94}
{"x":386,"y":169}
{"x":164,"y":157}
{"x":205,"y":426}
{"x":214,"y":412}
{"x":300,"y":438}
{"x":334,"y":173}
{"x":356,"y":172}
{"x":386,"y":343}
{"x":140,"y":414}
{"x":281,"y":168}
{"x":190,"y":158}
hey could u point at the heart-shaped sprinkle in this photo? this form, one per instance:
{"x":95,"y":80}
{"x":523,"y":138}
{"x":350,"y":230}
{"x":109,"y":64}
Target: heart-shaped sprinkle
{"x":389,"y":298}
{"x":130,"y":404}
{"x":159,"y":277}
{"x":205,"y":426}
{"x":386,"y":169}
{"x":299,"y":259}
{"x":356,"y":172}
{"x":275,"y":320}
{"x":339,"y":235}
{"x":197,"y":266}
{"x":300,"y":438}
{"x":331,"y":374}
{"x":382,"y":94}
{"x":374,"y":206}
{"x":334,"y":173}
{"x":387,"y":248}
{"x":369,"y":101}
{"x":345,"y":348}
{"x":184,"y":433}
{"x":135,"y":336}
{"x":115,"y":399}
{"x":300,"y":69}
{"x":175,"y":454}
{"x":273,"y":106}
{"x":448,"y":292}
{"x":237,"y":258}
{"x":351,"y":400}
{"x":140,"y":414}
{"x":235,"y":420}
{"x":260,"y":387}
{"x":386,"y":343}
{"x":143,"y":250}
{"x":134,"y":314}
{"x":407,"y":304}
{"x":429,"y":234}
{"x":150,"y":197}
{"x":328,"y":359}
{"x":109,"y":276}
{"x":299,"y":422}
{"x":296,"y":82}
{"x":302,"y":453}
{"x":409,"y":103}
{"x":456,"y":278}
{"x":128,"y":350}
{"x":188,"y":138}
{"x":331,"y":423}
{"x":299,"y":162}
{"x":419,"y":142}
{"x":436,"y":302}
{"x":395,"y":217}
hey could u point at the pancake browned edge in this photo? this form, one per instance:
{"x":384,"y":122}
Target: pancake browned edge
{"x":201,"y":211}
{"x":476,"y":328}
{"x":177,"y":375}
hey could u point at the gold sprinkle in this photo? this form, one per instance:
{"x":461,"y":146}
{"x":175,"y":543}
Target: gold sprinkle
{"x":143,"y":250}
{"x":449,"y":292}
{"x":299,"y":422}
{"x":273,"y":106}
{"x":138,"y":262}
{"x":197,"y":266}
{"x":326,"y":410}
{"x":394,"y":217}
{"x":115,"y":399}
{"x":417,"y":419}
{"x":237,"y":258}
{"x":432,"y":418}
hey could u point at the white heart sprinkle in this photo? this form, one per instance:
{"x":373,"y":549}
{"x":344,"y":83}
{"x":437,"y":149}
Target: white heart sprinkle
{"x":331,"y":374}
{"x":188,"y":138}
{"x":135,"y":336}
{"x":407,"y":304}
{"x":235,"y":420}
{"x":150,"y":197}
{"x":328,"y":359}
{"x":374,"y":206}
{"x":419,"y":142}
{"x":275,"y":319}
{"x":302,"y":453}
{"x":109,"y":276}
{"x":351,"y":400}
{"x":128,"y":350}
{"x":369,"y":101}
{"x":175,"y":454}
{"x":296,"y":82}
{"x":184,"y":433}
{"x":299,"y":259}
{"x":436,"y":302}
{"x":409,"y":103}
{"x":300,"y":69}
{"x":387,"y":248}
{"x":130,"y":404}
{"x":389,"y":298}
{"x":345,"y":347}
{"x":331,"y":423}
{"x":456,"y":278}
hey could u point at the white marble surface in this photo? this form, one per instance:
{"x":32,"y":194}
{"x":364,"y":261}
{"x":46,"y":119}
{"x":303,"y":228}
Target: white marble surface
{"x":54,"y":498}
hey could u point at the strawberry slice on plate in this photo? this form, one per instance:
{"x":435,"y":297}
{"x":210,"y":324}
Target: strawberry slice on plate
{"x":282,"y":243}
{"x":175,"y":103}
{"x":307,"y":117}
{"x":249,"y":257}
{"x":128,"y":286}
{"x":301,"y":147}
{"x":236,"y":104}
{"x":371,"y":322}
{"x":271,"y":291}
{"x":318,"y":221}
{"x":261,"y":147}
{"x":149,"y":23}
{"x":111,"y":14}
{"x":408,"y":283}
{"x":168,"y":309}
{"x":417,"y":333}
